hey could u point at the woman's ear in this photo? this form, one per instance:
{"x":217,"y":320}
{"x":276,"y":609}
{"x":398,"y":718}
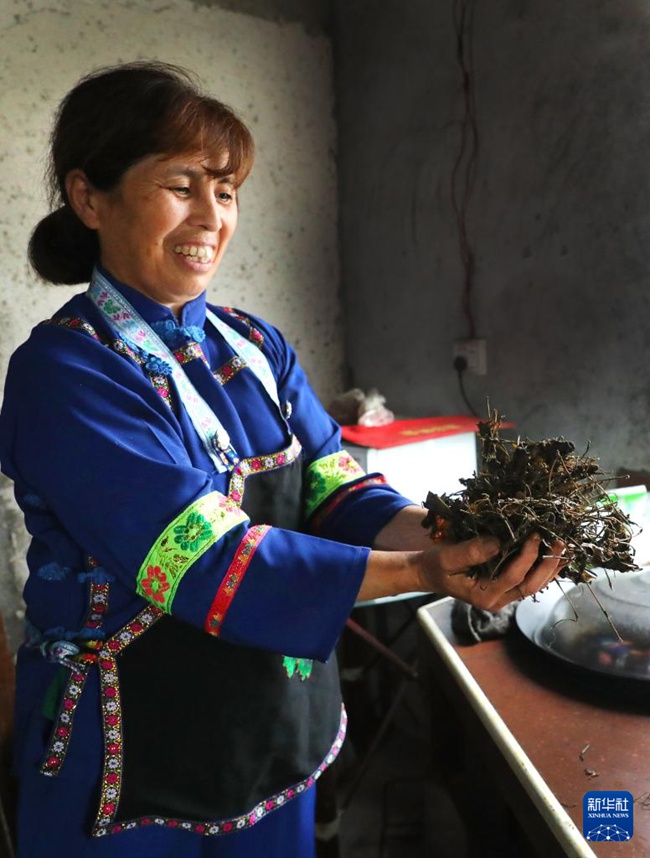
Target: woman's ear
{"x":82,"y":197}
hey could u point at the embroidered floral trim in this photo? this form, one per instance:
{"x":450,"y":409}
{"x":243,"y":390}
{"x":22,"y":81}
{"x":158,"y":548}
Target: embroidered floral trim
{"x":111,"y":792}
{"x":125,"y":320}
{"x":254,"y":335}
{"x":163,"y":388}
{"x":130,"y":632}
{"x":258,"y":464}
{"x":76,"y":324}
{"x":326,"y":475}
{"x":112,"y":714}
{"x":233,"y":578}
{"x":188,"y":352}
{"x":182,"y":542}
{"x":255,"y":359}
{"x":123,"y":348}
{"x":193,"y":532}
{"x":160,"y":381}
{"x":113,"y":738}
{"x":318,"y":519}
{"x":98,"y":605}
{"x":229,"y":369}
{"x":62,"y":730}
{"x":155,"y":584}
{"x":248,"y":545}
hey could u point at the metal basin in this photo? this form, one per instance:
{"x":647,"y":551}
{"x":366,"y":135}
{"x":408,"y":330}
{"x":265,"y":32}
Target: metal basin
{"x":603,"y":627}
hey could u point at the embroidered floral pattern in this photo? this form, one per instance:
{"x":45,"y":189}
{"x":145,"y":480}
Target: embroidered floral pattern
{"x":126,"y":321}
{"x":182,"y":543}
{"x":155,"y":584}
{"x":326,"y":475}
{"x":229,"y":370}
{"x":257,"y":464}
{"x":163,"y":388}
{"x":131,"y":631}
{"x":112,"y":714}
{"x":62,"y":731}
{"x":97,"y":603}
{"x":189,"y":352}
{"x":301,"y":666}
{"x":254,"y":335}
{"x":111,"y":307}
{"x":233,"y":578}
{"x":193,"y":532}
{"x":111,"y":784}
{"x":159,"y":380}
{"x":75,"y":324}
{"x":250,"y":353}
{"x":123,"y":348}
{"x":317,"y":520}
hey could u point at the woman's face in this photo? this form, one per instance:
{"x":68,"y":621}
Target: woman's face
{"x":165,"y":228}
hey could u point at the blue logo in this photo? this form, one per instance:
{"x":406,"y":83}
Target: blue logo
{"x":608,"y":815}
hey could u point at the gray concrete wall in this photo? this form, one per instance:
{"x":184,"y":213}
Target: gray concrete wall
{"x":559,"y":220}
{"x":272,"y":64}
{"x":315,"y":15}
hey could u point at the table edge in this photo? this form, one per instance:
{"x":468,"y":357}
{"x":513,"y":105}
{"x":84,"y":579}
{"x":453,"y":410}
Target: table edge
{"x":560,"y":823}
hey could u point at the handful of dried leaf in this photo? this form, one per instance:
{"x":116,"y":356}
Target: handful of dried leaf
{"x":523,"y":487}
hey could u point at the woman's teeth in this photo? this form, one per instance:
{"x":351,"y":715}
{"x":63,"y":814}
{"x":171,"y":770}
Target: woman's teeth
{"x":201,"y":253}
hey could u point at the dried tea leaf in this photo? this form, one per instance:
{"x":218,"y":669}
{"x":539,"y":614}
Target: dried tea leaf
{"x":525,"y":487}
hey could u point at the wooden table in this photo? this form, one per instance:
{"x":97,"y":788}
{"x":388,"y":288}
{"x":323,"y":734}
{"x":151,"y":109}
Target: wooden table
{"x":518,"y":740}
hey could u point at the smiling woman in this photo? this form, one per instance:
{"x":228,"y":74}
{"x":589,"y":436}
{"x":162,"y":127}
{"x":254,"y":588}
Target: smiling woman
{"x":165,"y":228}
{"x":120,"y":118}
{"x":199,"y":537}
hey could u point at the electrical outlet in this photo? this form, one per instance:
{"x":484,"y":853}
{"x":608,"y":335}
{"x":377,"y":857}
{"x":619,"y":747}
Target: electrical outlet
{"x":474,"y":352}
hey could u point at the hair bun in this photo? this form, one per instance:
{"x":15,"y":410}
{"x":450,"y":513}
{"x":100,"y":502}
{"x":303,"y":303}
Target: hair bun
{"x":63,"y":250}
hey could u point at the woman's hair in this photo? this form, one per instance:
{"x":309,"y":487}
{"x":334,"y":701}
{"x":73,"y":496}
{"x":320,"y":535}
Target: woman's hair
{"x":110,"y":120}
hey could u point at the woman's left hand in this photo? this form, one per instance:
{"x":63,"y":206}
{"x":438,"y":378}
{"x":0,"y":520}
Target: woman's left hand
{"x":446,"y":569}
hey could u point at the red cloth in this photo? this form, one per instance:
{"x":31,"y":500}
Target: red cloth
{"x":408,"y":431}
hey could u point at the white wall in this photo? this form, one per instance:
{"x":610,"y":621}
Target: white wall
{"x":282,"y":264}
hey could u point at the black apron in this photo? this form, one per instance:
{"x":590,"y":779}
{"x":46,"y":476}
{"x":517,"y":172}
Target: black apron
{"x":213,"y":732}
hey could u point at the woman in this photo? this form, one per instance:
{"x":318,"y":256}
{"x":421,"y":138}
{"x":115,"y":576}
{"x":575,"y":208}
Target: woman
{"x":198,"y":535}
